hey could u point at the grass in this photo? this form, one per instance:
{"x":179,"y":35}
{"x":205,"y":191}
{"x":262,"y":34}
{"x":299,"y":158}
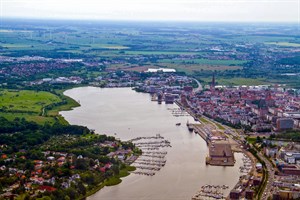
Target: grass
{"x":242,"y":81}
{"x":203,"y":120}
{"x":29,"y":117}
{"x":109,"y":46}
{"x":161,"y":53}
{"x":15,"y":45}
{"x":26,"y":100}
{"x":112,"y":181}
{"x":115,"y":180}
{"x":251,"y":140}
{"x":29,"y":104}
{"x":204,"y":61}
{"x":219,"y":126}
{"x":284,"y":44}
{"x":71,"y":103}
{"x":190,"y":68}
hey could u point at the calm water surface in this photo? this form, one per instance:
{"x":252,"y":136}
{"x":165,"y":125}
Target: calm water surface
{"x":126,"y":114}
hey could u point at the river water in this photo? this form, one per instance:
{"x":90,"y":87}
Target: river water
{"x":126,"y":114}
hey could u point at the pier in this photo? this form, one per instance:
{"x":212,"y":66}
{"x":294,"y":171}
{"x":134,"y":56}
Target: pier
{"x":154,"y":151}
{"x":210,"y":192}
{"x":220,"y":152}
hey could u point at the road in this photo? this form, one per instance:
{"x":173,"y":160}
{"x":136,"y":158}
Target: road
{"x":270,"y":171}
{"x":199,"y":88}
{"x":269,"y":167}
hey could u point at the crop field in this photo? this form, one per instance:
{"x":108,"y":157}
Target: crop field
{"x":242,"y":81}
{"x":232,"y":51}
{"x":191,"y":68}
{"x":162,"y":53}
{"x":204,"y":61}
{"x":109,"y":46}
{"x":285,"y":44}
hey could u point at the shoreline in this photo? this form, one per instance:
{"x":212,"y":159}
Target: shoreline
{"x":101,"y":186}
{"x":210,"y":144}
{"x":220,"y":148}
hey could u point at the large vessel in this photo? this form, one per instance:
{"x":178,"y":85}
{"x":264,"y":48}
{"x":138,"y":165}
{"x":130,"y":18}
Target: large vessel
{"x":190,"y":127}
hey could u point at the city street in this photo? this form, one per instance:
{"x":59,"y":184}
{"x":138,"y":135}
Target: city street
{"x":270,"y":171}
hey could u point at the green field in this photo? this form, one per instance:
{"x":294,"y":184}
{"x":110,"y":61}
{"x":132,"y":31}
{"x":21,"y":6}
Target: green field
{"x":190,"y":69}
{"x":29,"y":117}
{"x":30,"y":105}
{"x":204,"y":61}
{"x":162,"y":53}
{"x":238,"y":81}
{"x":26,"y":100}
{"x":109,"y":46}
{"x":284,"y":44}
{"x":242,"y":81}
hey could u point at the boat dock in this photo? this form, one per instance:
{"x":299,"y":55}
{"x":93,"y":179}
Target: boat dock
{"x":210,"y":192}
{"x":154,"y":151}
{"x":220,"y":152}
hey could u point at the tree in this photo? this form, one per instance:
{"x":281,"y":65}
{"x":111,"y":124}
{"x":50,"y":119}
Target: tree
{"x":81,"y":164}
{"x":81,"y":188}
{"x":44,"y":198}
{"x":116,"y":169}
{"x":258,"y":139}
{"x":72,"y":193}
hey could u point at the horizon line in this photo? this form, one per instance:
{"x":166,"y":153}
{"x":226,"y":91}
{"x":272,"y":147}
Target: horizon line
{"x":145,"y":20}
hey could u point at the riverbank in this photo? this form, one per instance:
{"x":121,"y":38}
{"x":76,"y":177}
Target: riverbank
{"x":62,"y":159}
{"x":219,"y":144}
{"x":33,"y":105}
{"x":115,"y":180}
{"x":220,"y":150}
{"x":184,"y":168}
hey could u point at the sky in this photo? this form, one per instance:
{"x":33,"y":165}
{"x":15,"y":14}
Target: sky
{"x":155,"y":10}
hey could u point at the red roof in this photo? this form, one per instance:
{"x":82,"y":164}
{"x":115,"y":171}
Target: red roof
{"x":47,"y":188}
{"x":102,"y":169}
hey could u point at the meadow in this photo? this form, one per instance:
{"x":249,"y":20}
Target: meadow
{"x":32,"y":105}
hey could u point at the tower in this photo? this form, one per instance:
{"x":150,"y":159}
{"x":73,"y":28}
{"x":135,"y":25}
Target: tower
{"x":213,"y":83}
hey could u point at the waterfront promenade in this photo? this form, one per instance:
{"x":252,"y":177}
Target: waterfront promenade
{"x":220,"y":152}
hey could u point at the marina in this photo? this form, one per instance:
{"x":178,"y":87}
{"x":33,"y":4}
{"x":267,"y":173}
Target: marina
{"x":178,"y":112}
{"x":111,"y":111}
{"x":217,"y":191}
{"x":153,"y":160}
{"x":210,"y":192}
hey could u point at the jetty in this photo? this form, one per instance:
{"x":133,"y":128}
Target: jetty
{"x":220,"y":152}
{"x":153,"y":158}
{"x":210,"y":192}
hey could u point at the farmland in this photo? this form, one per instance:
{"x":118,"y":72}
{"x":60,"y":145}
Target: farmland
{"x":198,"y":49}
{"x":285,"y":44}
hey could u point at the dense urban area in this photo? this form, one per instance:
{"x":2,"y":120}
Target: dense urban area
{"x":241,"y":84}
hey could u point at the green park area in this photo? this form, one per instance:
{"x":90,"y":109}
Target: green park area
{"x":37,"y":106}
